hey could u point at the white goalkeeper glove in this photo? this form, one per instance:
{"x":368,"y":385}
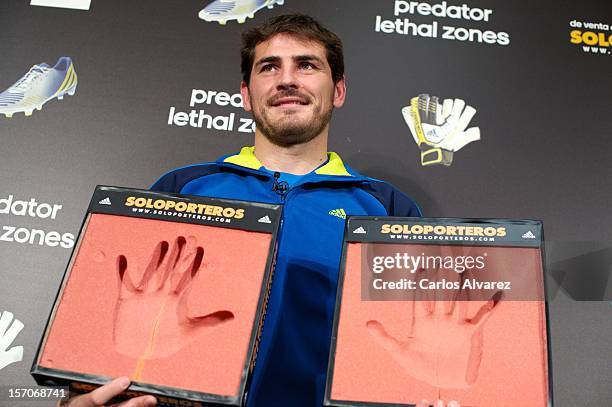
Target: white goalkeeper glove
{"x":439,"y":129}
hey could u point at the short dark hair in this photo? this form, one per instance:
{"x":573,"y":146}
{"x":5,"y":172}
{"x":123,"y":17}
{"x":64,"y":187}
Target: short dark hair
{"x":299,"y":25}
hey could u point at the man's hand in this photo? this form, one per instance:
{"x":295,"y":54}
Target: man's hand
{"x":8,"y":333}
{"x":102,"y":395}
{"x":439,"y":403}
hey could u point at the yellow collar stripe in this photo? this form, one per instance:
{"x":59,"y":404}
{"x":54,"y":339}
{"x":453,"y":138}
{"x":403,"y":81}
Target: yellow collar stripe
{"x":334,"y":166}
{"x":246,"y":158}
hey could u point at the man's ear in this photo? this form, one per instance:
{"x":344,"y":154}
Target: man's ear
{"x":246,"y":99}
{"x":340,"y":92}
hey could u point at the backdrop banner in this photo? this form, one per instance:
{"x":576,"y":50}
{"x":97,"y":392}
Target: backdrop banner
{"x":474,"y":108}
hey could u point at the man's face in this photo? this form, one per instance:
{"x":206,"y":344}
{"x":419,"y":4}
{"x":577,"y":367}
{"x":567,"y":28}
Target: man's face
{"x":291,"y":91}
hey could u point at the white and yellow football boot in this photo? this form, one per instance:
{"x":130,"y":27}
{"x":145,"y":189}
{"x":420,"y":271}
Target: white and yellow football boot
{"x":39,"y":85}
{"x":223,"y":11}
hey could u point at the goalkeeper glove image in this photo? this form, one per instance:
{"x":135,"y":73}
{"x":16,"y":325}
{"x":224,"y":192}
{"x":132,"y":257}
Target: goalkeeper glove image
{"x":439,"y":130}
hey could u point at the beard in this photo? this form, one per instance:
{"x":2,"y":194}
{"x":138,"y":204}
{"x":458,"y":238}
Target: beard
{"x":290,"y":130}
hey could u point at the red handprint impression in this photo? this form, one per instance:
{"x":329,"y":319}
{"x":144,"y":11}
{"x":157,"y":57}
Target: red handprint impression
{"x":151,"y":316}
{"x":443,"y":347}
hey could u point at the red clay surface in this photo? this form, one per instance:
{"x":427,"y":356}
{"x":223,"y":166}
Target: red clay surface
{"x":403,"y":351}
{"x":177,"y":315}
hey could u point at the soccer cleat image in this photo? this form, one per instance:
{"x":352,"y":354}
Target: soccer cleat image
{"x":39,"y":85}
{"x":223,"y":11}
{"x":439,"y":129}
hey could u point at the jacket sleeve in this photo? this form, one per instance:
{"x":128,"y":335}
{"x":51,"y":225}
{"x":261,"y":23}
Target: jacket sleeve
{"x":175,"y":180}
{"x":167,"y":183}
{"x":395,"y":201}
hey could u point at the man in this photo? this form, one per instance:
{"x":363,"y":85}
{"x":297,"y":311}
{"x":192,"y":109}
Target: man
{"x":293,"y":78}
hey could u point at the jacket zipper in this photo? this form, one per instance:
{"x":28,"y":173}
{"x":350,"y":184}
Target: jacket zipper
{"x":280,"y":187}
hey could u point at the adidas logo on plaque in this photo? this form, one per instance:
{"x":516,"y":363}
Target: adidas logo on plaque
{"x":265,"y":219}
{"x":360,"y":231}
{"x":105,"y":201}
{"x":528,"y":235}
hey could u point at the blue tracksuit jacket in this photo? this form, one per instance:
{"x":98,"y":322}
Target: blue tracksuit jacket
{"x":292,"y":361}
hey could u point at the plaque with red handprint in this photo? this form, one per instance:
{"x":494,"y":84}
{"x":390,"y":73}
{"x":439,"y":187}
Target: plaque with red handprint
{"x":143,"y":297}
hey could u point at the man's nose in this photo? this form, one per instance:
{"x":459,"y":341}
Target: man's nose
{"x":287,"y":79}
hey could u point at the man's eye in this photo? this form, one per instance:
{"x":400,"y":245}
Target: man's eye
{"x":307,"y":66}
{"x":268,"y":68}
